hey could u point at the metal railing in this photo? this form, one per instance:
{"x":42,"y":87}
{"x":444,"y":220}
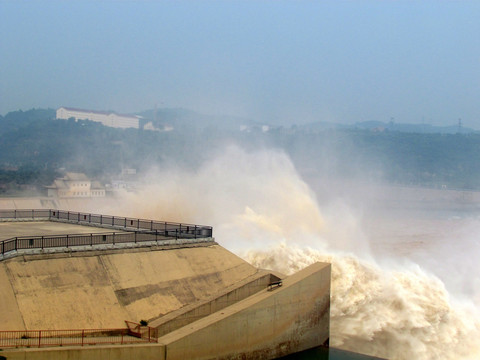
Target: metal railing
{"x":81,"y":337}
{"x":135,"y":230}
{"x":142,"y":331}
{"x":67,"y":241}
{"x":161,"y":227}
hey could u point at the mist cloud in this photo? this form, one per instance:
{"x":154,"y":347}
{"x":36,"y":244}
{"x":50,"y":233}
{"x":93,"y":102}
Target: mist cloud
{"x":261,"y":209}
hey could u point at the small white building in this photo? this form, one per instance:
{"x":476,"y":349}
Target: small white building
{"x":75,"y":185}
{"x":106,"y":118}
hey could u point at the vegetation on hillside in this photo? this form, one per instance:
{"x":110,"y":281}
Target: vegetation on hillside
{"x":35,"y":148}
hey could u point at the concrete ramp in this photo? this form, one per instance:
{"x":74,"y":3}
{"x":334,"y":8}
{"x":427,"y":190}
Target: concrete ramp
{"x":270,"y":324}
{"x":229,"y":296}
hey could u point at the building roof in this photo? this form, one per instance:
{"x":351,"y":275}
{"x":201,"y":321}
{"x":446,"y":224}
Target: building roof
{"x":98,"y":112}
{"x":60,"y":184}
{"x":96,"y":185}
{"x":76,"y":176}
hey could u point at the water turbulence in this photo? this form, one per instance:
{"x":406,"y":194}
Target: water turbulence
{"x":262,"y":210}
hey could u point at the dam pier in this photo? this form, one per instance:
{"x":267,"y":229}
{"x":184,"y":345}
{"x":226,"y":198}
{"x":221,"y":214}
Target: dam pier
{"x":87,"y":286}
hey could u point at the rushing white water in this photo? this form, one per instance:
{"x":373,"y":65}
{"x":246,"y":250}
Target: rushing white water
{"x":396,"y":314}
{"x":261,"y":209}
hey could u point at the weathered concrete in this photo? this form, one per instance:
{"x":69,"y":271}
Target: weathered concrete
{"x":121,"y":352}
{"x":44,"y":202}
{"x":270,"y":324}
{"x":11,"y":229}
{"x":216,"y":302}
{"x":96,"y":290}
{"x":193,"y":312}
{"x":10,"y":315}
{"x":26,"y":203}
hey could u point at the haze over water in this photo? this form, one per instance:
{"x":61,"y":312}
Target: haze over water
{"x":403,"y":277}
{"x":404,"y":281}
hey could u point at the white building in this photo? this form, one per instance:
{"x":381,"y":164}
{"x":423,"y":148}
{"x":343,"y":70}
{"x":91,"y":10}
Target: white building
{"x":75,"y":185}
{"x":106,"y":118}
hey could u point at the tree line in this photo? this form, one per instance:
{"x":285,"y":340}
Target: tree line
{"x":35,"y":148}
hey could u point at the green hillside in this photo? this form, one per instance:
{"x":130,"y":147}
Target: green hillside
{"x":35,"y":148}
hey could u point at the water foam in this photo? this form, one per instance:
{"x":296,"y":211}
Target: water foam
{"x":395,"y":314}
{"x":262,"y":210}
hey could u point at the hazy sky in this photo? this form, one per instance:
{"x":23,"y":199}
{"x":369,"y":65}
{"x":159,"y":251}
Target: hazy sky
{"x":277,"y":61}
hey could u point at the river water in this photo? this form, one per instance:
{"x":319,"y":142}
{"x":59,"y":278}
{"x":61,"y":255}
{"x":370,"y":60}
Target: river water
{"x":404,"y":261}
{"x":404,"y":274}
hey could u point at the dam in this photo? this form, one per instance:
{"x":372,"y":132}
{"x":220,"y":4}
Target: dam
{"x":88,"y":286}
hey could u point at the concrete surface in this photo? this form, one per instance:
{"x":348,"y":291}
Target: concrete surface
{"x":267,"y":325}
{"x":205,"y":284}
{"x":44,"y":202}
{"x":120,"y":352}
{"x":193,"y":312}
{"x":11,"y":229}
{"x":96,"y":290}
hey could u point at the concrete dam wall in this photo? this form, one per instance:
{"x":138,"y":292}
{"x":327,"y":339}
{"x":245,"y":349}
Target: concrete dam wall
{"x":269,"y":324}
{"x":98,"y":290}
{"x":200,"y":300}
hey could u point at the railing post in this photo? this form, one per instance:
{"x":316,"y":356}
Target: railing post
{"x":151,"y":225}
{"x":100,"y":219}
{"x":83,"y":335}
{"x":33,"y":214}
{"x":135,"y":237}
{"x":195,"y":232}
{"x":39,"y":338}
{"x":91,"y":239}
{"x":125,"y":223}
{"x":67,"y":240}
{"x":90,"y":218}
{"x":15,"y":214}
{"x":42,"y":242}
{"x":113,"y":239}
{"x":16,"y":243}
